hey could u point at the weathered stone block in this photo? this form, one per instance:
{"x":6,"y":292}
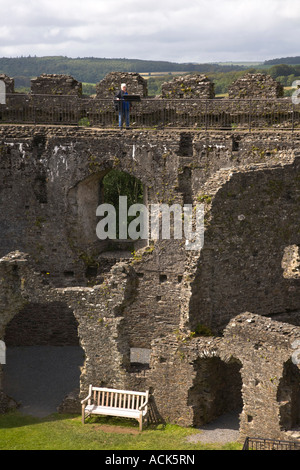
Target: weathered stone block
{"x":54,"y":84}
{"x":111,"y":84}
{"x":196,"y":86}
{"x":9,"y":83}
{"x":255,"y":85}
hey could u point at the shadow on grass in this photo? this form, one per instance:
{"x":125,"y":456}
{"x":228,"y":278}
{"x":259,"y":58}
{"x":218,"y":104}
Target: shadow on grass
{"x":124,"y":423}
{"x":16,"y":419}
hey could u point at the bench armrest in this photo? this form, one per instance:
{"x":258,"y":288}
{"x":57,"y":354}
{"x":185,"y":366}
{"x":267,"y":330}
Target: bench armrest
{"x":143,"y":405}
{"x":86,"y":399}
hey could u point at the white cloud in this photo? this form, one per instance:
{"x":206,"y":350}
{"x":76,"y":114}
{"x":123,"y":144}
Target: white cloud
{"x":198,"y":31}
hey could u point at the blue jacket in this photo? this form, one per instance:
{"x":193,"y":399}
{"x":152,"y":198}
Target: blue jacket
{"x":124,"y":106}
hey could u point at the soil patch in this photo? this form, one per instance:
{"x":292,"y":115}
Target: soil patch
{"x":116,"y":429}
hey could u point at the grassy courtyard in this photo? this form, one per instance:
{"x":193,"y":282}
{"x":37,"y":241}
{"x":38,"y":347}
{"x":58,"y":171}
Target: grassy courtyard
{"x":66,"y":432}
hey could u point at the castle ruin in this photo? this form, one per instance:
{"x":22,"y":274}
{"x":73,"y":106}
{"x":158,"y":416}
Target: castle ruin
{"x":217,"y":328}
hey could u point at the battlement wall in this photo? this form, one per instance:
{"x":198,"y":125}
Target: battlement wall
{"x":195,"y":85}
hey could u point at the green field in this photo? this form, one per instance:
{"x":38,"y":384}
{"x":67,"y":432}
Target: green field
{"x":148,"y":75}
{"x":243,"y":64}
{"x":66,"y":432}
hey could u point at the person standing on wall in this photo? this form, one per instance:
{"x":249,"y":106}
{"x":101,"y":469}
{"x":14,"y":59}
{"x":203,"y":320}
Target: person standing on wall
{"x":124,"y":107}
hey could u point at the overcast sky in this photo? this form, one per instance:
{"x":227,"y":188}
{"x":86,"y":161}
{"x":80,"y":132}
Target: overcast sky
{"x":175,"y":30}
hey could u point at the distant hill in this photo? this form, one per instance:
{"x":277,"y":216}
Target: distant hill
{"x":92,"y":70}
{"x":284,"y":60}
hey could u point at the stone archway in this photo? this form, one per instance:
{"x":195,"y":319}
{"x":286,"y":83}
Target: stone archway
{"x":216,"y":390}
{"x":288,"y":397}
{"x":44,"y":359}
{"x":99,"y":255}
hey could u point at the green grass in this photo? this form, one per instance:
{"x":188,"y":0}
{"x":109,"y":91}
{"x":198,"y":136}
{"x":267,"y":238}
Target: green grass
{"x":66,"y":432}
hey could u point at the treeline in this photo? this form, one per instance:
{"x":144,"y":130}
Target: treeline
{"x":92,"y":70}
{"x":283,"y":60}
{"x":285,"y":74}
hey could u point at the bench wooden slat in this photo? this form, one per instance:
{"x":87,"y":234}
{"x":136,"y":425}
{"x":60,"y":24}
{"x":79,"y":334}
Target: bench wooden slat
{"x":119,"y":391}
{"x":112,"y":411}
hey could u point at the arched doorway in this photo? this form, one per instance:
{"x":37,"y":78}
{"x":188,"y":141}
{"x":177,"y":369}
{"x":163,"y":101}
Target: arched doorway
{"x":217,"y":390}
{"x":43,"y":358}
{"x":99,"y":254}
{"x":288,"y":397}
{"x":113,"y":186}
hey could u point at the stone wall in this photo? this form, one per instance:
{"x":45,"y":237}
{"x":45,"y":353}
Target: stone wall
{"x":39,"y":324}
{"x":111,"y":84}
{"x":54,"y":220}
{"x":55,"y":84}
{"x":58,"y":99}
{"x":152,"y":113}
{"x":9,"y":83}
{"x":193,"y":379}
{"x":257,"y":86}
{"x":270,"y":377}
{"x":162,"y":297}
{"x":253,"y":218}
{"x":196,"y":86}
{"x":249,"y":370}
{"x":99,"y":327}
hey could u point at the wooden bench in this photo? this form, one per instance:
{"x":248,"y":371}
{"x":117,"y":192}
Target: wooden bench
{"x":120,"y":403}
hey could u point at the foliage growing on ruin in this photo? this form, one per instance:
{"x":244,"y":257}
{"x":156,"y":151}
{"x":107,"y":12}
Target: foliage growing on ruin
{"x":204,"y":198}
{"x":202,"y":330}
